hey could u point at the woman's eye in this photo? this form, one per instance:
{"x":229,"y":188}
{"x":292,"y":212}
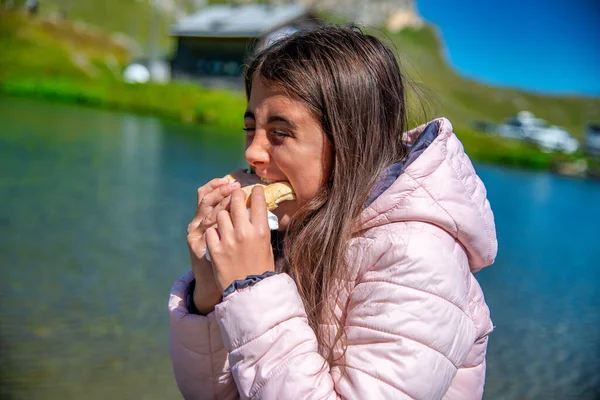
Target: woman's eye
{"x":280,"y":134}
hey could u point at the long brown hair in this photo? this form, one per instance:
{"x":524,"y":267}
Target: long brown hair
{"x":352,"y":83}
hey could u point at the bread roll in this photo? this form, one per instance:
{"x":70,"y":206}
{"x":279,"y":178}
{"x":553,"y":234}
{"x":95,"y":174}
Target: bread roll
{"x":275,"y":193}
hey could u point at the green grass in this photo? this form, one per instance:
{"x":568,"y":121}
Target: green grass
{"x":34,"y":47}
{"x":63,"y":62}
{"x":60,"y":63}
{"x":421,"y":52}
{"x":133,"y":18}
{"x":182,"y":102}
{"x":464,"y":101}
{"x":510,"y":152}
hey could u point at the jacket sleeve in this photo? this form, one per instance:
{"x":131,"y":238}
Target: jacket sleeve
{"x":405,"y":328}
{"x":199,"y":359}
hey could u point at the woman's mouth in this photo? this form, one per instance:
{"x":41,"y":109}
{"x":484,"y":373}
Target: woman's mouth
{"x":267,"y":181}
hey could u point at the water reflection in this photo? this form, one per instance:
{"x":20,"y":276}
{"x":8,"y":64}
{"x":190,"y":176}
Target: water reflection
{"x":94,"y":209}
{"x":544,"y":289}
{"x":542,"y":188}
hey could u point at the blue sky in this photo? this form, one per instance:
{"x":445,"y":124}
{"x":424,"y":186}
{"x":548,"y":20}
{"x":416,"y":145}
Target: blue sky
{"x":550,"y":46}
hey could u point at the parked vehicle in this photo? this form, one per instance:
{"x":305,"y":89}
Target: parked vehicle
{"x":525,"y":126}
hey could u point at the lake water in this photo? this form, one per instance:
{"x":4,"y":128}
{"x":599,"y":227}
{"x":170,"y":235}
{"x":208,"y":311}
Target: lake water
{"x":93,"y":211}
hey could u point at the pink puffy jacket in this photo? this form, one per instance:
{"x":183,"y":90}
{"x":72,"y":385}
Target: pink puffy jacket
{"x":416,"y":323}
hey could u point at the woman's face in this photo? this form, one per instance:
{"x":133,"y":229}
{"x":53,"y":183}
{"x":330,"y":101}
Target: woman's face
{"x":284,"y":142}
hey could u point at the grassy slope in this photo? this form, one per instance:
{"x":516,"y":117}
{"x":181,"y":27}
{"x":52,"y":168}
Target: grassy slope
{"x":62,"y":62}
{"x":439,"y":90}
{"x":460,"y":99}
{"x":132,"y":18}
{"x":32,"y":47}
{"x":463,"y":100}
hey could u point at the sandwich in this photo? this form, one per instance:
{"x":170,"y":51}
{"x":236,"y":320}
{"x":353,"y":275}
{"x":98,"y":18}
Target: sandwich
{"x":275,"y":192}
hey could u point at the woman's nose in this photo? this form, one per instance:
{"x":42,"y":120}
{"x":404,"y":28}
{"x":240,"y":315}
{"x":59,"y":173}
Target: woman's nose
{"x":257,"y":153}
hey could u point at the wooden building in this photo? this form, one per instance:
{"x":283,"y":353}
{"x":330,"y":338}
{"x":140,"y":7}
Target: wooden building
{"x":213,"y":44}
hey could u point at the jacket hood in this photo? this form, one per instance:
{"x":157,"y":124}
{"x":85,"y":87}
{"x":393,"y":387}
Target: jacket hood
{"x":437,"y":184}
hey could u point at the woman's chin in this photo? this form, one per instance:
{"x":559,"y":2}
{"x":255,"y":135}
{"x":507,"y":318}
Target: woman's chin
{"x":284,"y":222}
{"x":284,"y":213}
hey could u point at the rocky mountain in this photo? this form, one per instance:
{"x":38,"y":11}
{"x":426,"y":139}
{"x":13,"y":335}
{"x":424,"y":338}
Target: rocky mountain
{"x":394,"y":14}
{"x":398,"y":13}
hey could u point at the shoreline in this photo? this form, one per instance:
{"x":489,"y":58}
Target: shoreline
{"x":490,"y":150}
{"x":179,"y":102}
{"x":56,"y":61}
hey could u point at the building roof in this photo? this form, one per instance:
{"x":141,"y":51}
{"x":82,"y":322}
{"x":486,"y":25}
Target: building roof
{"x":251,"y":20}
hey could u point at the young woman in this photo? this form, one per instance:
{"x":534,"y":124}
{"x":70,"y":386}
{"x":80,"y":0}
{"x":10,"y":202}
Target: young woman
{"x":371,"y":294}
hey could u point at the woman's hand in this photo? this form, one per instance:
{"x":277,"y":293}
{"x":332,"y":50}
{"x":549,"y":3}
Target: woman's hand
{"x":212,"y":198}
{"x":242,"y":245}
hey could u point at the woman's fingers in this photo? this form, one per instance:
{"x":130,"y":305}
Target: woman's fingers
{"x":212,"y":240}
{"x":258,"y":208}
{"x":203,"y":207}
{"x":213,"y":198}
{"x":240,"y":248}
{"x":223,"y":205}
{"x":239,"y":213}
{"x":224,"y":223}
{"x":197,"y":247}
{"x":210,"y":205}
{"x":209,"y":187}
